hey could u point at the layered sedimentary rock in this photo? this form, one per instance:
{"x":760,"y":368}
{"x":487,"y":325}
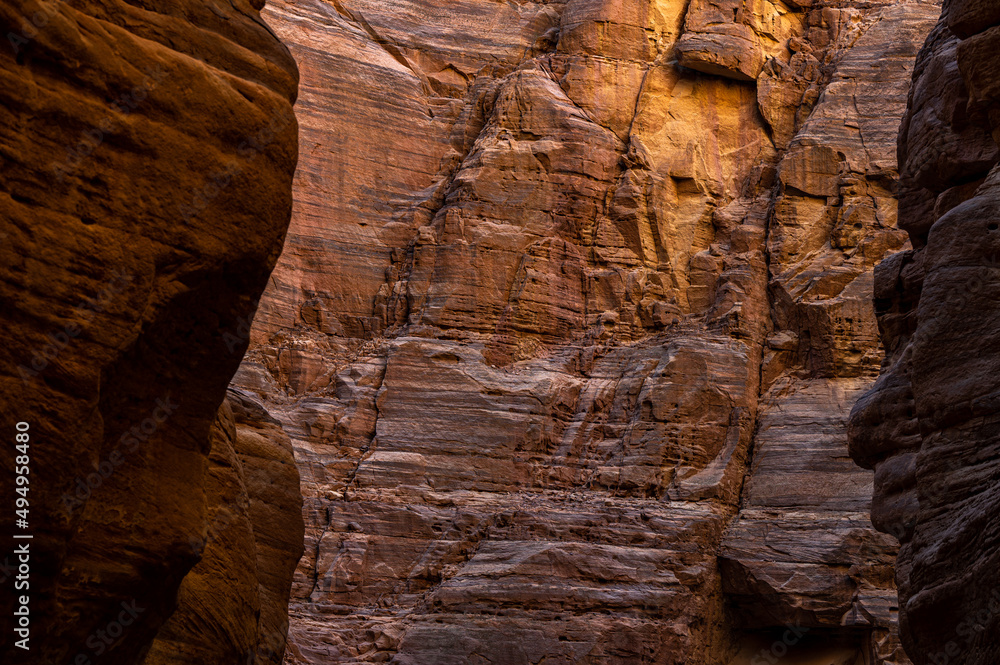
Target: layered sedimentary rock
{"x":146,"y":159}
{"x":929,"y":426}
{"x":574,"y":305}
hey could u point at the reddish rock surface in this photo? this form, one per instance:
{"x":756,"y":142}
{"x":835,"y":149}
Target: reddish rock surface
{"x":929,"y":426}
{"x":574,"y":305}
{"x":233,"y":605}
{"x":146,"y":161}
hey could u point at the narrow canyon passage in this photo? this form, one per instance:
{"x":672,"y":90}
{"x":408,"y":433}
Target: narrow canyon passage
{"x":573,"y":307}
{"x":500,"y":332}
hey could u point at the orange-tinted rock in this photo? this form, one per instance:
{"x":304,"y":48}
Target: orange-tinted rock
{"x":734,"y":39}
{"x":146,"y":159}
{"x":565,"y":334}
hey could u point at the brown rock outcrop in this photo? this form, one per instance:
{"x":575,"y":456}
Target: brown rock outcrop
{"x":565,"y":333}
{"x":928,"y":427}
{"x":734,"y":38}
{"x":233,"y":605}
{"x":146,"y":159}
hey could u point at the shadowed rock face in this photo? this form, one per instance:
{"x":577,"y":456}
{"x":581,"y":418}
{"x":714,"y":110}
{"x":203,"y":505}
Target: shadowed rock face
{"x":574,"y":305}
{"x":929,"y":427}
{"x":146,"y":158}
{"x":233,"y":605}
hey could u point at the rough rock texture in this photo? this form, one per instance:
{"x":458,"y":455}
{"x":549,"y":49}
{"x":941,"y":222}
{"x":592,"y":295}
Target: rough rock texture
{"x":929,"y":427}
{"x":233,"y":605}
{"x":146,"y":160}
{"x":573,"y":307}
{"x":735,"y":38}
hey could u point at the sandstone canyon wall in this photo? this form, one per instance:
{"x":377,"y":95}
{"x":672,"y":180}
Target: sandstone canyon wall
{"x":146,"y":160}
{"x":929,"y":426}
{"x":573,"y":307}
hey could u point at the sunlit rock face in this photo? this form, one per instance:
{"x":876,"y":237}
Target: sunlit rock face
{"x":929,"y":427}
{"x":574,"y":305}
{"x":146,"y":158}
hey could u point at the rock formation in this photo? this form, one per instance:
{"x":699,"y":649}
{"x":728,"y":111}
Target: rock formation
{"x":573,"y":307}
{"x":233,"y":605}
{"x":929,"y":426}
{"x":146,"y":161}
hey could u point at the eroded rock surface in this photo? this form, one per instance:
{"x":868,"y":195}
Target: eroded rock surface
{"x":574,"y":305}
{"x":929,"y":426}
{"x":233,"y":605}
{"x":146,"y":160}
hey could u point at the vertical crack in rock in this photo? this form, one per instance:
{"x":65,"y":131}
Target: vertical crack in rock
{"x":319,"y":544}
{"x":369,"y":448}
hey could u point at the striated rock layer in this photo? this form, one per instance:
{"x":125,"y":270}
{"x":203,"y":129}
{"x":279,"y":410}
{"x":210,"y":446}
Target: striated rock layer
{"x":146,"y":161}
{"x":929,"y":427}
{"x":573,"y":307}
